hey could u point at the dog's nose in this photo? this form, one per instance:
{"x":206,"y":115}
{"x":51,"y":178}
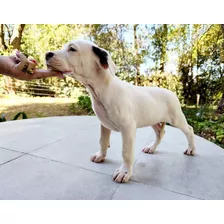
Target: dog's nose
{"x":49,"y":55}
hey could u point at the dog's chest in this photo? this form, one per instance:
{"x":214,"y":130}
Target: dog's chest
{"x":103,"y":116}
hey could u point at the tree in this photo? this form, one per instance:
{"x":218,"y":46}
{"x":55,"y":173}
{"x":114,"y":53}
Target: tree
{"x":35,"y":40}
{"x":159,"y":42}
{"x":111,"y":37}
{"x":136,"y":55}
{"x":199,"y":50}
{"x":126,"y":44}
{"x":17,"y":36}
{"x":209,"y":63}
{"x":221,"y":102}
{"x":3,"y":45}
{"x":198,"y":47}
{"x":11,"y":36}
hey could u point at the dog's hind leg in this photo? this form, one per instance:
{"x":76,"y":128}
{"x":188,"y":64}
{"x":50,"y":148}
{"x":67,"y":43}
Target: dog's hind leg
{"x":104,"y":143}
{"x":181,"y":123}
{"x":159,"y":131}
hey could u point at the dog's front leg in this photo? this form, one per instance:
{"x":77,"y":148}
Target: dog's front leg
{"x":104,"y":143}
{"x":123,"y":174}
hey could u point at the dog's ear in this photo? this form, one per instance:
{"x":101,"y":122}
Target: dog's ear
{"x":102,"y":55}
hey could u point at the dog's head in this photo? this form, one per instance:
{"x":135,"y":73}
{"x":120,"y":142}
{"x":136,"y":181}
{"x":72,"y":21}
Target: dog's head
{"x":81,"y":59}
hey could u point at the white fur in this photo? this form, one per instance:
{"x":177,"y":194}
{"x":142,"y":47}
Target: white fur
{"x":121,"y":106}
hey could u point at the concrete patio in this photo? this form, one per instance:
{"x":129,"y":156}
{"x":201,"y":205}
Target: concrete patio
{"x":48,"y":158}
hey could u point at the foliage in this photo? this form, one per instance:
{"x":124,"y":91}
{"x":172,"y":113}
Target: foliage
{"x":206,"y":123}
{"x":67,"y":87}
{"x":24,"y":116}
{"x":163,"y":80}
{"x":197,"y":51}
{"x":82,"y":107}
{"x":160,"y":41}
{"x":200,"y":61}
{"x":198,"y":47}
{"x":2,"y":119}
{"x":85,"y":103}
{"x":127,"y":53}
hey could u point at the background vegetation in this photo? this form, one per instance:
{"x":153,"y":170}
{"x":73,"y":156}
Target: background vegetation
{"x":188,"y":59}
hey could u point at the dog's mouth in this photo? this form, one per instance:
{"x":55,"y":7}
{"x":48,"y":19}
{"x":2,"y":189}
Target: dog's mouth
{"x":65,"y":72}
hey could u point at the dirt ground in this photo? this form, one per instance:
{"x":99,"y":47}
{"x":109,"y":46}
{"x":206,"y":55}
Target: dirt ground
{"x":35,"y":107}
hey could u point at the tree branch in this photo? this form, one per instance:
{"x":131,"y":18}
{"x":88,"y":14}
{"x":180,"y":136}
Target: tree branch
{"x":17,"y":36}
{"x":9,"y":33}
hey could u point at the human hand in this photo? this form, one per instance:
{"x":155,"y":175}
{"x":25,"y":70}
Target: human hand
{"x":25,"y":69}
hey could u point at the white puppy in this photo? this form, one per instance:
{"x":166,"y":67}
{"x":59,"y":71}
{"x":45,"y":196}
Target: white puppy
{"x":119,"y":105}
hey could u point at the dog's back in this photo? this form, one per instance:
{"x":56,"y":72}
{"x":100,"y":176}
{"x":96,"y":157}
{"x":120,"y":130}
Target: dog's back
{"x":162,"y":105}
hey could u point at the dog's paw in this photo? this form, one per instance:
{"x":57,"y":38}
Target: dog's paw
{"x":189,"y":152}
{"x":97,"y":157}
{"x":149,"y":150}
{"x":121,"y":176}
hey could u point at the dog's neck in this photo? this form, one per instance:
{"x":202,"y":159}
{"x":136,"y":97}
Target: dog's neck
{"x":98,"y":84}
{"x":93,"y":92}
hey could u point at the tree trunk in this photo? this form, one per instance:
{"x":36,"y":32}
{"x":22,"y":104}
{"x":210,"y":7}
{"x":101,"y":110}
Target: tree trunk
{"x":164,"y":46}
{"x":3,"y":46}
{"x":137,"y":63}
{"x":17,"y":36}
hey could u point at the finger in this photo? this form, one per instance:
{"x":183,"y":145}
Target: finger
{"x":34,"y":61}
{"x":21,"y":56}
{"x":31,"y":67}
{"x":16,"y":59}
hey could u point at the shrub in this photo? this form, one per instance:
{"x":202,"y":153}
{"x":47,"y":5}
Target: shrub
{"x":206,"y":123}
{"x":84,"y":102}
{"x":24,"y":116}
{"x":82,"y":107}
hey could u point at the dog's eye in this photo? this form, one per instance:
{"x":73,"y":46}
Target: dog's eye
{"x":72,"y":49}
